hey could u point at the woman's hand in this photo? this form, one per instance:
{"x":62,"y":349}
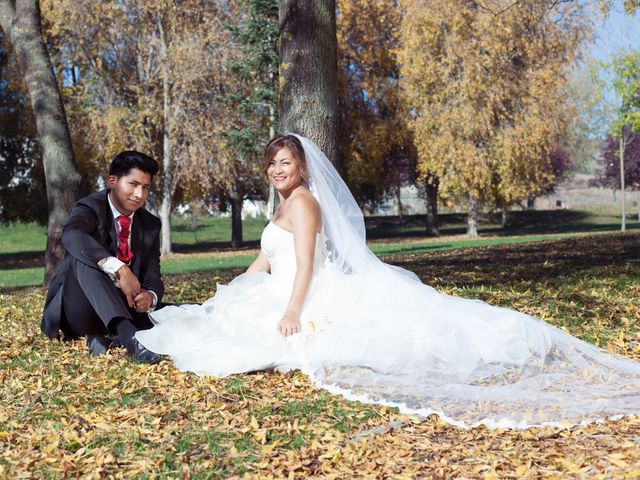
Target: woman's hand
{"x":289,"y":324}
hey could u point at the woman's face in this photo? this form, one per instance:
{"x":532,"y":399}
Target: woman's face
{"x":284,"y":171}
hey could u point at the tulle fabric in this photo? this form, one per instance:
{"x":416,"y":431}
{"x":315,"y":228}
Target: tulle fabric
{"x":373,"y":332}
{"x":380,"y":340}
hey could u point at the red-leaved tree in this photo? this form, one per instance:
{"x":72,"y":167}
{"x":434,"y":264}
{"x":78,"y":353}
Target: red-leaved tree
{"x":609,"y":174}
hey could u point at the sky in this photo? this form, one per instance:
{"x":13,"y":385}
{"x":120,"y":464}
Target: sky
{"x":618,"y":31}
{"x":615,"y":33}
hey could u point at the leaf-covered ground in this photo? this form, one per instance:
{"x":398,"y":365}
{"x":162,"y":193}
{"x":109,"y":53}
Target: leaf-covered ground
{"x":64,"y":414}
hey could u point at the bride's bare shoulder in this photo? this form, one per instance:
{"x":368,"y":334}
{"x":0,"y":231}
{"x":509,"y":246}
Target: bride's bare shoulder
{"x":305,"y":204}
{"x":304,"y":200}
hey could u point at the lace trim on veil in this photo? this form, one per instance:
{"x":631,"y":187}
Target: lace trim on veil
{"x":550,"y":379}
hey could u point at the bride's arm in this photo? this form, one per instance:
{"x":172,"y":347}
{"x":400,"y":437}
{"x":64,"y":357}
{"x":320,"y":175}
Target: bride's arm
{"x":260,"y":264}
{"x":305,"y":221}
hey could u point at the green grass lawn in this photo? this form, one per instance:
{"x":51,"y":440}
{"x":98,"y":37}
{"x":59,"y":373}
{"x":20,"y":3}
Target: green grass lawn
{"x":210,"y":230}
{"x":21,"y":245}
{"x":22,"y":237}
{"x":68,"y":415}
{"x":187,"y":233}
{"x":22,"y":277}
{"x":31,"y":237}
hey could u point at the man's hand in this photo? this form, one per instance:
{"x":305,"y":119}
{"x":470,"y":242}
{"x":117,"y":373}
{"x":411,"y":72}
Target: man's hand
{"x":143,"y":301}
{"x":129,"y":284}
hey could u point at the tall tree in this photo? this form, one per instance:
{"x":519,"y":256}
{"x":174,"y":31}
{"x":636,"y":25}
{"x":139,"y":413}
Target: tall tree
{"x":609,"y":173}
{"x":377,"y":154}
{"x":308,"y":71}
{"x":22,"y":186}
{"x":486,"y":83}
{"x":252,"y":101}
{"x":626,"y":83}
{"x":152,"y":77}
{"x":21,"y":21}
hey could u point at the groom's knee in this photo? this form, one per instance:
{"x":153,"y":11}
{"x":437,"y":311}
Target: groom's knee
{"x":100,"y":290}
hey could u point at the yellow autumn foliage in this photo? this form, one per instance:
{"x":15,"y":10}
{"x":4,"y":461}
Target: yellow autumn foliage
{"x":375,"y":142}
{"x":486,"y":82}
{"x":150,"y":76}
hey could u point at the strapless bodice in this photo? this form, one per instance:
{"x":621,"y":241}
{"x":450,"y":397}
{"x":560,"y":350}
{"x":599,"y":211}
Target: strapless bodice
{"x":277,"y":244}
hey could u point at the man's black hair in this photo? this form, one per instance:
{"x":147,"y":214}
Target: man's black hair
{"x":122,"y":163}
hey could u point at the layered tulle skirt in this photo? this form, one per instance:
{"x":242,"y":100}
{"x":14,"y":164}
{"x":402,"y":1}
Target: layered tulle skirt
{"x":402,"y":344}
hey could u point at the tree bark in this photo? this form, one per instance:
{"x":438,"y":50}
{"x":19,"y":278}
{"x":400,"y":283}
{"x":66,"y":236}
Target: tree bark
{"x":504,"y":211}
{"x":165,"y":218}
{"x":272,"y":203}
{"x":399,"y":202}
{"x":432,"y":209}
{"x":236,"y":215}
{"x":167,"y":170}
{"x":623,"y":225}
{"x":530,"y":203}
{"x":472,"y":217}
{"x":308,"y":72}
{"x":63,"y":181}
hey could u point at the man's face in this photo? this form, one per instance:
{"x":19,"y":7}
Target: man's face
{"x":129,"y":192}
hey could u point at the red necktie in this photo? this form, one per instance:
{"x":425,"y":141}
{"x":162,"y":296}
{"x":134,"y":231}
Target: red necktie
{"x":124,"y":253}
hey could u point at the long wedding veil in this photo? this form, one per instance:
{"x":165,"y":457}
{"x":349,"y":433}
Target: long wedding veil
{"x":342,"y":218}
{"x":467,"y":361}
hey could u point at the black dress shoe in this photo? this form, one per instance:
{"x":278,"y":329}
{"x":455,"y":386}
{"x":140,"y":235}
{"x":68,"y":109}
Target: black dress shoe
{"x":98,"y":344}
{"x":140,"y":353}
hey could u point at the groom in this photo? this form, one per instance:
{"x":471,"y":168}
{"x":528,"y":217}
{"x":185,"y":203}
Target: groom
{"x":110,"y":277}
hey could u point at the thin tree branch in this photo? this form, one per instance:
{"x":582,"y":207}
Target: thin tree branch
{"x":500,"y":12}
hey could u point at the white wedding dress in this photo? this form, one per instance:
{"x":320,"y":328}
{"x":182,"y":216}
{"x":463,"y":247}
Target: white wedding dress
{"x":376,"y":334}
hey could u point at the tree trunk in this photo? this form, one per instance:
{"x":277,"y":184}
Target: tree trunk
{"x":167,"y":171}
{"x":165,"y":218}
{"x":399,"y":202}
{"x":530,"y":203}
{"x":273,"y":198}
{"x":166,"y":205}
{"x":62,"y":178}
{"x":308,"y":72}
{"x":271,"y":203}
{"x":235,"y":195}
{"x":504,"y":211}
{"x":472,"y":217}
{"x":432,"y":209}
{"x":623,"y":225}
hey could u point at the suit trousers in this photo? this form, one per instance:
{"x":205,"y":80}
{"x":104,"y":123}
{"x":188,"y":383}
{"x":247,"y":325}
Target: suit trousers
{"x":90,"y":303}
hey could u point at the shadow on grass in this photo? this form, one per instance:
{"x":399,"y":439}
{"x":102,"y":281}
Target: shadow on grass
{"x":543,"y":262}
{"x":13,"y":261}
{"x":549,"y":262}
{"x":210,"y":246}
{"x":528,"y":222}
{"x":16,"y":290}
{"x":520,"y":223}
{"x":418,"y":248}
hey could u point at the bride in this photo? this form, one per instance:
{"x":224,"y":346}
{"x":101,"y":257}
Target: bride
{"x":317,"y":299}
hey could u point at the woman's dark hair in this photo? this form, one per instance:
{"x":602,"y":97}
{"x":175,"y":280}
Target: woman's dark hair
{"x":122,"y":163}
{"x":278,"y":143}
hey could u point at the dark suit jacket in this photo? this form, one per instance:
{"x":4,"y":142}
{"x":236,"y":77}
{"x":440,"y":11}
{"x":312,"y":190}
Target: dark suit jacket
{"x":89,"y":236}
